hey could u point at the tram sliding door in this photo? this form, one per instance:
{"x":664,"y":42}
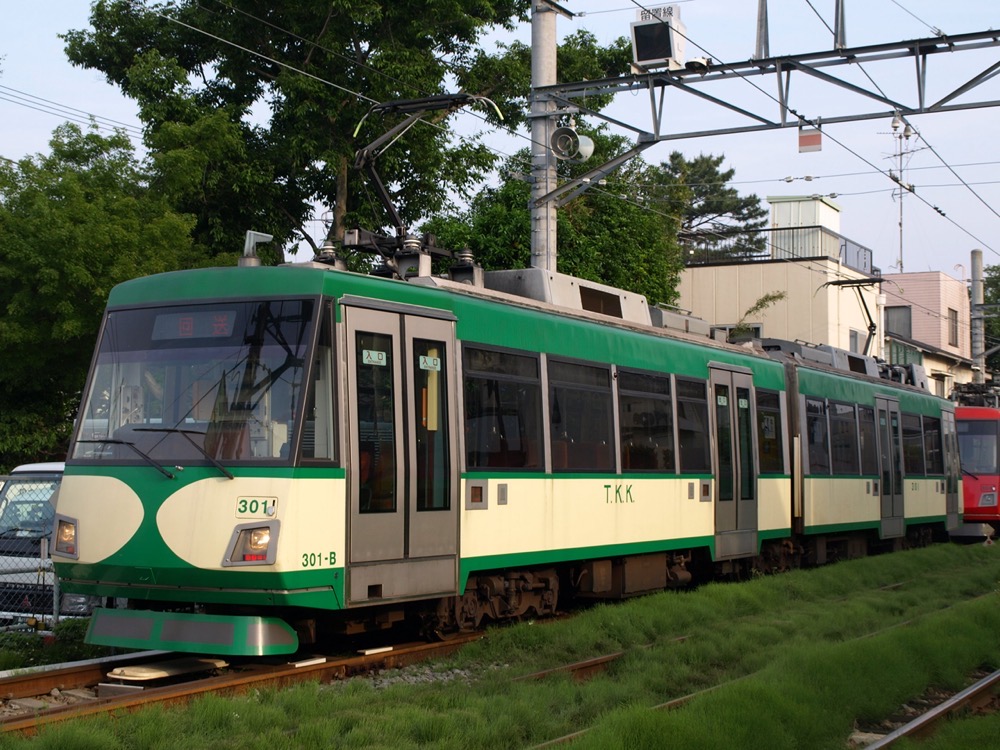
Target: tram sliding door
{"x":890,"y":441}
{"x":735,"y":463}
{"x":403,"y":478}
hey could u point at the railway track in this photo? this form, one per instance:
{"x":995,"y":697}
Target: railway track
{"x":35,"y":698}
{"x":981,"y":695}
{"x":32,"y":698}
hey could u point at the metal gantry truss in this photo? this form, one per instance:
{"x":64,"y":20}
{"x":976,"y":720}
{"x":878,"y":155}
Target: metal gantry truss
{"x":780,"y":112}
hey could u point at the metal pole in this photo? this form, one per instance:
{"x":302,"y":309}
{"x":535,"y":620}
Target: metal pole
{"x":978,"y":334}
{"x":543,"y":167}
{"x":839,"y":26}
{"x":902,"y":191}
{"x":763,"y":46}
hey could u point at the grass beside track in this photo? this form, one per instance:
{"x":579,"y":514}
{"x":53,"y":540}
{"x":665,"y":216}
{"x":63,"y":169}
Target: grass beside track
{"x":795,"y":660}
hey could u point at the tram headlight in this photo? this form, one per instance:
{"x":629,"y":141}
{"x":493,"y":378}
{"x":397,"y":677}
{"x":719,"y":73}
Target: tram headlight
{"x":259,"y":539}
{"x":65,"y":537}
{"x":253,"y":544}
{"x":988,"y":500}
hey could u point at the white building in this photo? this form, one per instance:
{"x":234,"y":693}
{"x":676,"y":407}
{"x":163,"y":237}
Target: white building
{"x":834,"y":295}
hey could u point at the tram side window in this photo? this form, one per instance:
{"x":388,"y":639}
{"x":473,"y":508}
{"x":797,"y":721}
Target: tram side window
{"x":869,"y":446}
{"x":692,"y":427}
{"x":647,"y":422}
{"x":913,"y":445}
{"x":503,"y":410}
{"x":844,"y":438}
{"x":580,"y":416}
{"x":772,"y":460}
{"x":933,"y":446}
{"x":816,"y":436}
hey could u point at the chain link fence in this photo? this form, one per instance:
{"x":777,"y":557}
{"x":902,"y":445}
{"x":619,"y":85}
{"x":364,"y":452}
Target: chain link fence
{"x":28,"y":587}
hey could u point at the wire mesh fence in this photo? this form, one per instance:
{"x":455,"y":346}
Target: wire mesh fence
{"x":28,"y":587}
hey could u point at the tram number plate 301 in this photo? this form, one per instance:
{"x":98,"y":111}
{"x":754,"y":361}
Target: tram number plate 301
{"x":256,"y":507}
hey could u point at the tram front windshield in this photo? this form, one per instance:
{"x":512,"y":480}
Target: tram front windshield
{"x":977,"y":446}
{"x":198,"y":383}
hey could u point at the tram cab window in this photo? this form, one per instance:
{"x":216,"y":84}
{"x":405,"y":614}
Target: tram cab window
{"x":692,"y":427}
{"x":979,"y":446}
{"x":913,"y":445}
{"x":817,"y":437}
{"x":580,"y":416}
{"x":194,"y":384}
{"x":503,"y":410}
{"x":646,"y":422}
{"x":769,"y":433}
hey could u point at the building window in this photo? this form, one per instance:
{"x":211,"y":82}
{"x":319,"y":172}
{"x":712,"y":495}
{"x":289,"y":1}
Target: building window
{"x":952,"y":327}
{"x":855,"y":344}
{"x":897,"y":320}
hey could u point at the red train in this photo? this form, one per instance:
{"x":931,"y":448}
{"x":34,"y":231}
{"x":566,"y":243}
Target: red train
{"x":979,"y":448}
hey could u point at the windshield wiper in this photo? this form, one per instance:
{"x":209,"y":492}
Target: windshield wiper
{"x":187,"y":435}
{"x":145,"y":457}
{"x":966,"y":471}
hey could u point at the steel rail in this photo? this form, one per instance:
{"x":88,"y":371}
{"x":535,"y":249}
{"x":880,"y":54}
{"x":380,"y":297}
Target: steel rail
{"x":320,"y":668}
{"x":978,"y":693}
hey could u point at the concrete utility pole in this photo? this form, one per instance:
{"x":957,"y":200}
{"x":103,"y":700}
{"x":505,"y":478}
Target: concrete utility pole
{"x":977,"y":321}
{"x":543,"y":118}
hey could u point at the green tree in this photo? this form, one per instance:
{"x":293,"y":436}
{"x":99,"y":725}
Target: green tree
{"x":251,"y":107}
{"x":605,"y":235}
{"x":717,"y":222}
{"x":72,"y":224}
{"x":991,"y":296}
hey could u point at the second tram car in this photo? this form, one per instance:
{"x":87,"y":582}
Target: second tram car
{"x":979,"y":445}
{"x":266,"y":455}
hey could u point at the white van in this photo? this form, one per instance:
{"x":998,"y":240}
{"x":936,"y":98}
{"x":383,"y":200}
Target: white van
{"x":27,"y":585}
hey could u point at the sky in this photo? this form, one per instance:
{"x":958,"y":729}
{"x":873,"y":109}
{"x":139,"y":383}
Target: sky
{"x":948,"y":149}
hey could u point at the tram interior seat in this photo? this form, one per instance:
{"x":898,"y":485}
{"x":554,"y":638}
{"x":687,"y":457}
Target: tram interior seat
{"x":641,"y":455}
{"x":567,"y":454}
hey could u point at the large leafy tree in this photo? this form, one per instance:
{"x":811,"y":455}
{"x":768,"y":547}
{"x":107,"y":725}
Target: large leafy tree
{"x":717,"y":223}
{"x":73,"y":224}
{"x":608,"y":234}
{"x":251,"y":107}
